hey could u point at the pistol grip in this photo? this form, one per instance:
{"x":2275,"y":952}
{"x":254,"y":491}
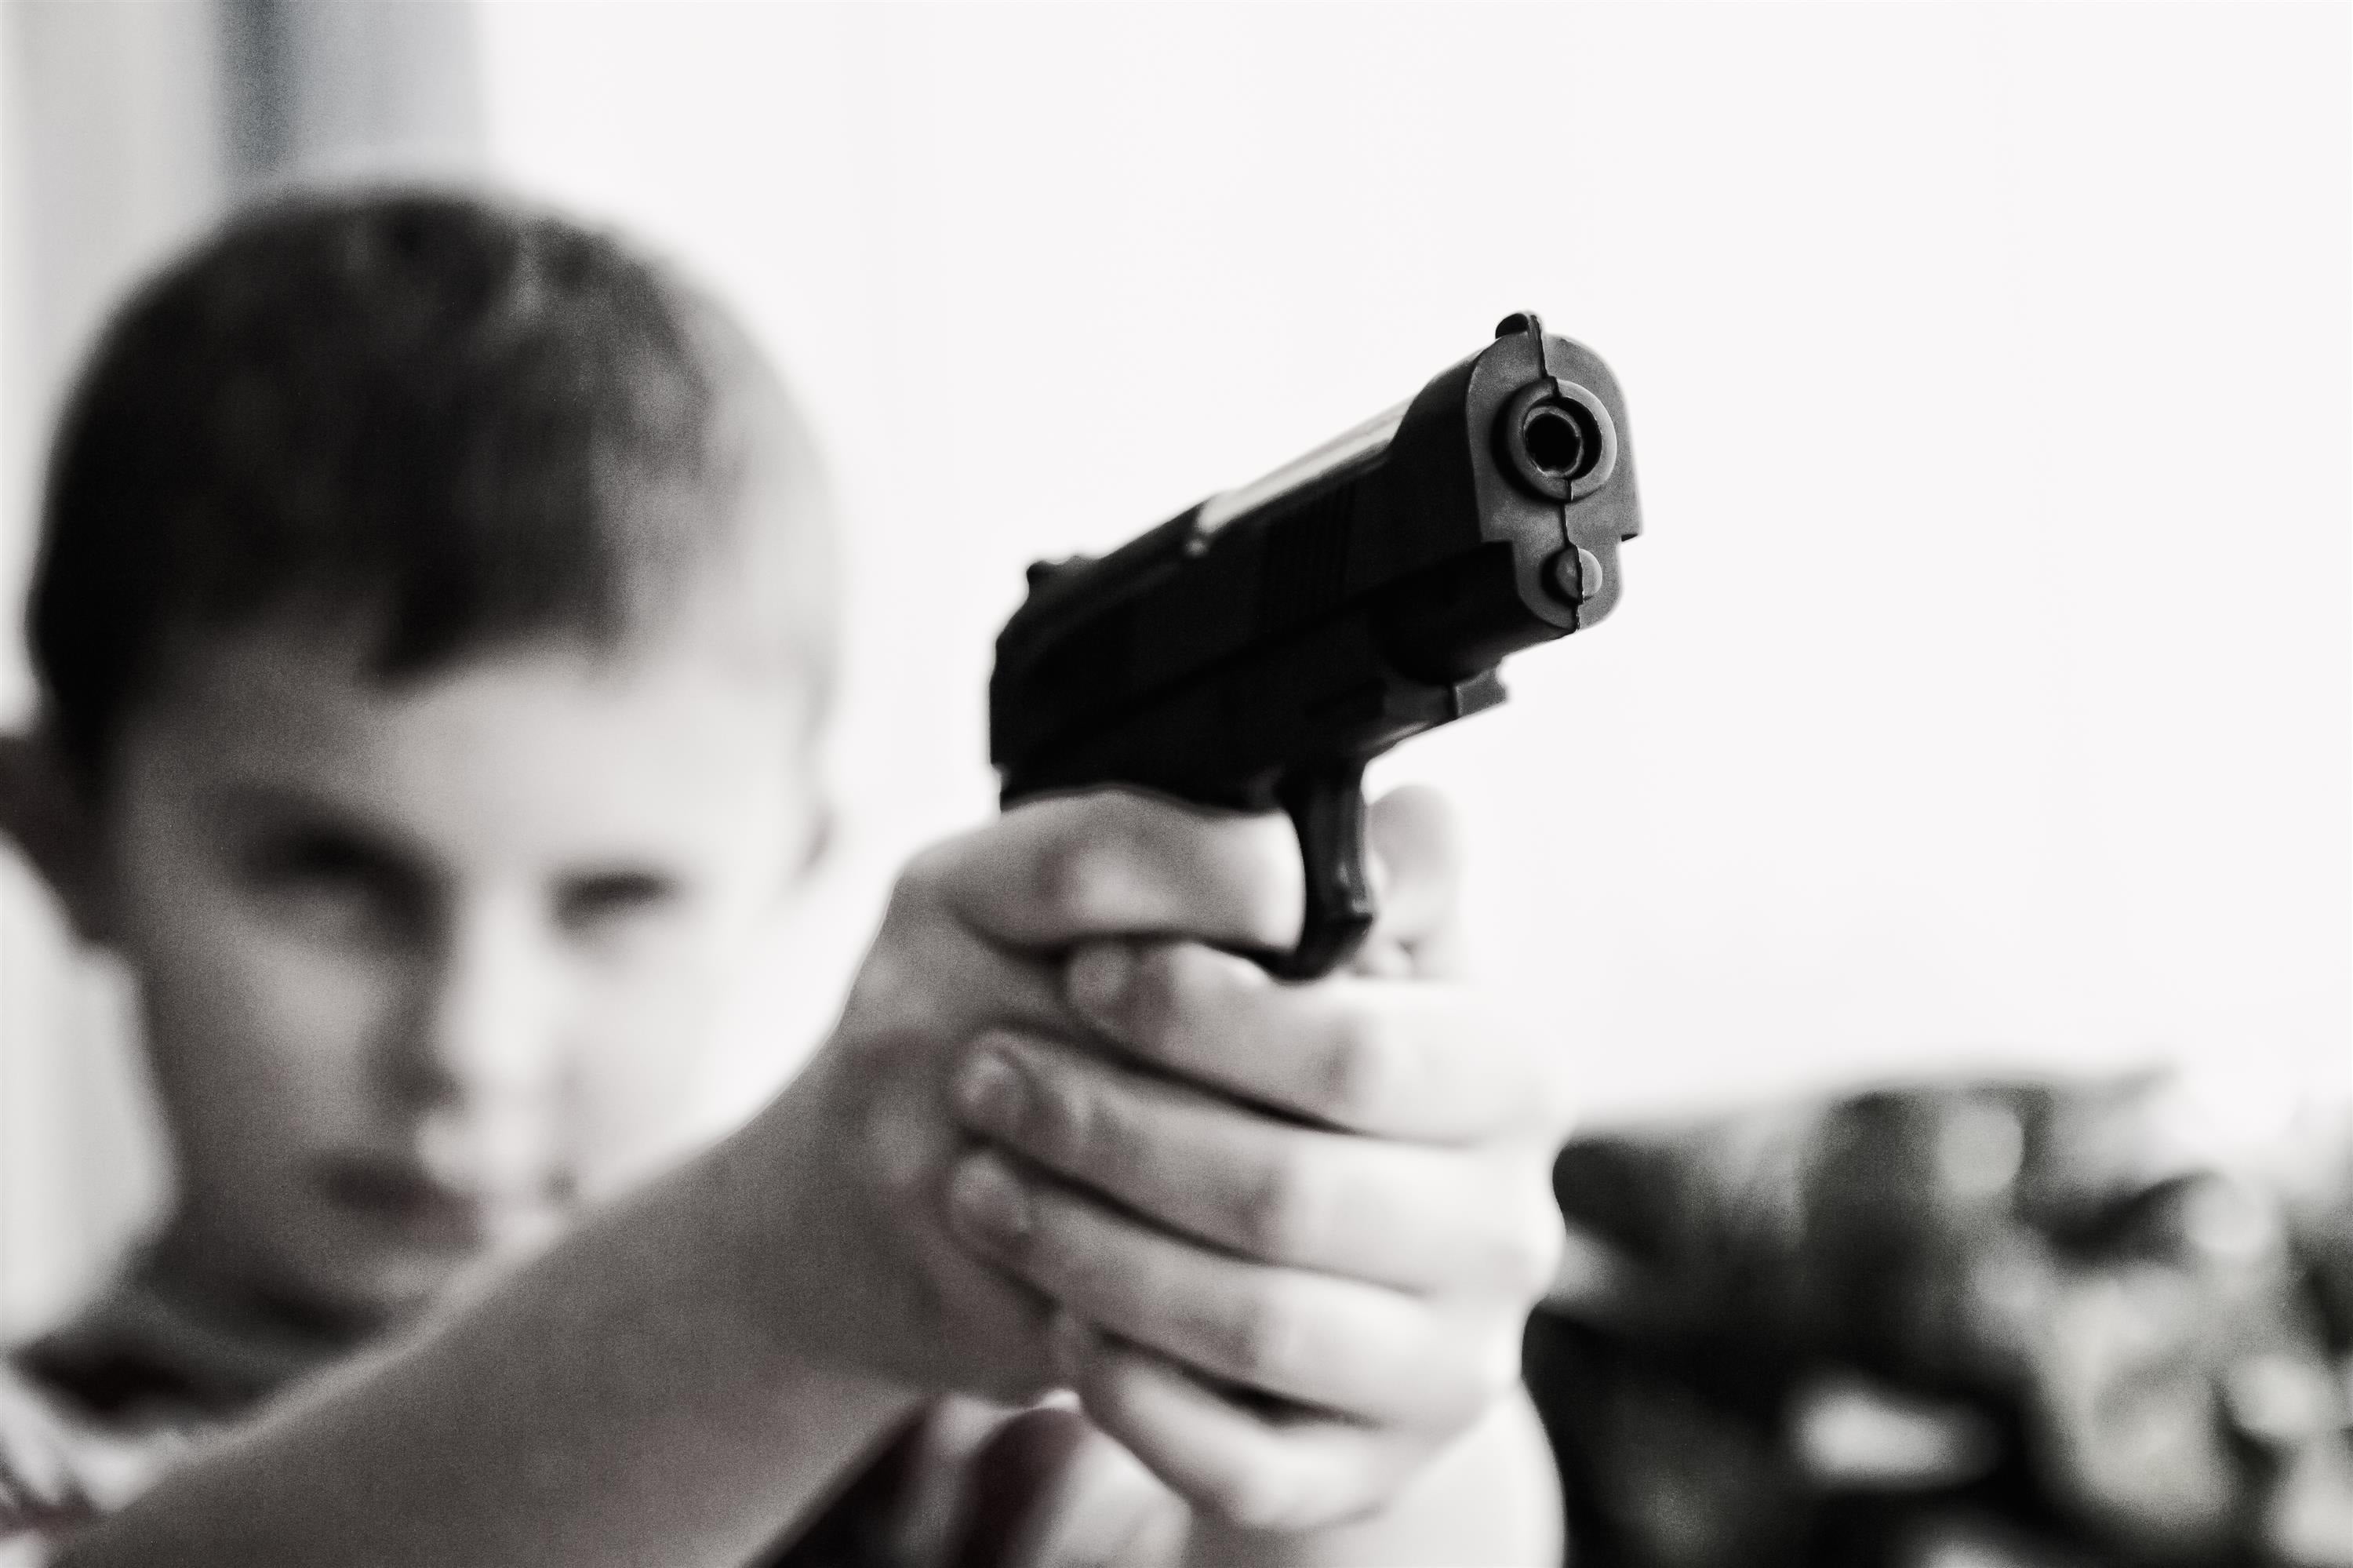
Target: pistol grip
{"x":1327,"y":806}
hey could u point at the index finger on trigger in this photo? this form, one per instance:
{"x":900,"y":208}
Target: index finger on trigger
{"x":1417,"y":1060}
{"x":1063,"y":868}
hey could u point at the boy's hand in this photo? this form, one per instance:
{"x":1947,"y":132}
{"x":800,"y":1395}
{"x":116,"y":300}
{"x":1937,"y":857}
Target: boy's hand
{"x":1337,"y":1194}
{"x":851,"y":1165}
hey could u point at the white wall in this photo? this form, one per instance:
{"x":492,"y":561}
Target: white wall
{"x":108,"y":161}
{"x":1981,"y":690}
{"x":1981,"y":687}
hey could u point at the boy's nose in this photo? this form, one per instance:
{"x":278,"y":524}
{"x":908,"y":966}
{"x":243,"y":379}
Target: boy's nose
{"x":481,"y":1053}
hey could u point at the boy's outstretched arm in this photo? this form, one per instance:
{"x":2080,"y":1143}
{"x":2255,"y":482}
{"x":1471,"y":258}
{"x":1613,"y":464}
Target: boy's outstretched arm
{"x":628,"y":1397}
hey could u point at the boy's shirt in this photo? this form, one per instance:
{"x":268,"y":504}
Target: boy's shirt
{"x":93,"y":1412}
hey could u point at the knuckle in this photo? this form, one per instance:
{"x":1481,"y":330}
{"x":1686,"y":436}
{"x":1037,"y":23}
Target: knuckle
{"x":1123,"y":1160}
{"x":1156,"y":1000}
{"x":1263,"y":1338}
{"x":1528,"y":1254}
{"x":1474,"y":1365}
{"x":1496,"y":1367}
{"x":1363,"y":1069}
{"x":1546,"y":1242}
{"x":1095,"y":872}
{"x":1083,"y":874}
{"x":1069,"y":1119}
{"x":1285,"y":1213}
{"x":1068,"y":881}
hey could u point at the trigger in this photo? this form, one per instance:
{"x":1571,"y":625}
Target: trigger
{"x":1328,"y":808}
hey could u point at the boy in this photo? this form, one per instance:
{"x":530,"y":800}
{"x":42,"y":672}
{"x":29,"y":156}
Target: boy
{"x":432,"y":615}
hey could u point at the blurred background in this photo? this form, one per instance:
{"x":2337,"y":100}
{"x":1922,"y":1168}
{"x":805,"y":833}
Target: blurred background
{"x":1982,"y":698}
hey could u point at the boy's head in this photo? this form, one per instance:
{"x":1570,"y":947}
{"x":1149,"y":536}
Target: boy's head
{"x":432,"y":613}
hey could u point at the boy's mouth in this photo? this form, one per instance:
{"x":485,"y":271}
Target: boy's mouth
{"x":428,"y":1212}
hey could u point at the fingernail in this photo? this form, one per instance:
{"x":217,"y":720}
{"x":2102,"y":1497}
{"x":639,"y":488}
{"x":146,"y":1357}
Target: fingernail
{"x":990,"y":1093}
{"x":988,"y":1198}
{"x":1098,"y":980}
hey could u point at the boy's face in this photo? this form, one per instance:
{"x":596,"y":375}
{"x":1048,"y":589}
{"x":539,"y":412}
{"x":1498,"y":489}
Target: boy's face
{"x":424,"y":963}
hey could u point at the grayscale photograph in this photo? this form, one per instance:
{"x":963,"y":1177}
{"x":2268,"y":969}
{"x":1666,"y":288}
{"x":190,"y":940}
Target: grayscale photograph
{"x":1155,"y":785}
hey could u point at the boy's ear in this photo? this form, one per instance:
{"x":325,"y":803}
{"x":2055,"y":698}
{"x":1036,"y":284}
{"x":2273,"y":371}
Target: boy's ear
{"x":46,"y":811}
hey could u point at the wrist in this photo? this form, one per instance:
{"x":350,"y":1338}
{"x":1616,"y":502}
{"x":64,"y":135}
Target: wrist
{"x":771,"y":1253}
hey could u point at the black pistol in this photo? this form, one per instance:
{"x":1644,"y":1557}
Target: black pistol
{"x":1259,"y":649}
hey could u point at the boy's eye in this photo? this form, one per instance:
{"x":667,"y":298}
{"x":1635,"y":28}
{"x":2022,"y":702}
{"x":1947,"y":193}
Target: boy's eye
{"x":337,"y":885}
{"x":589,"y":905}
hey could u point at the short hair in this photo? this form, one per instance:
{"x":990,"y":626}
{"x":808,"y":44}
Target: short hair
{"x":473,"y":424}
